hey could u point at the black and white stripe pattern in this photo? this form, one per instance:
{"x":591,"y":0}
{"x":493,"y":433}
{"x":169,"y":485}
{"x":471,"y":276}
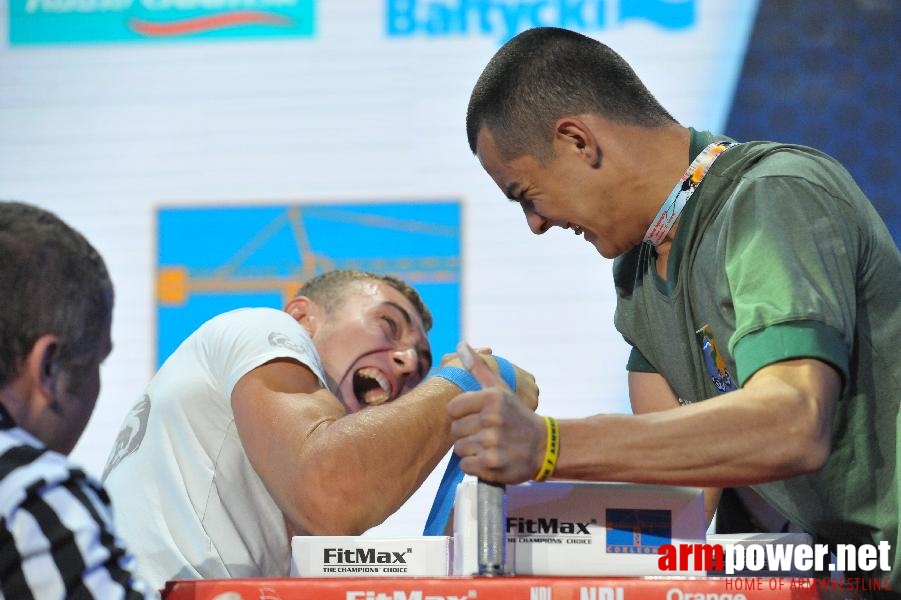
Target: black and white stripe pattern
{"x":56,"y":531}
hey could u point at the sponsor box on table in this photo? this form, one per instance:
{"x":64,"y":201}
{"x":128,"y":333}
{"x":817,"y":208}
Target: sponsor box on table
{"x":577,"y":528}
{"x":351,"y":556}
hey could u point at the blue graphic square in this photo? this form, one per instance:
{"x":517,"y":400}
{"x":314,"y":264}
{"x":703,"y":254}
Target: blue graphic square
{"x":214,"y":259}
{"x":638,"y":531}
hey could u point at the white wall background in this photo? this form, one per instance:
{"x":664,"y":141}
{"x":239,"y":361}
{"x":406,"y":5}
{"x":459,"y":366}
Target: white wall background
{"x":102,"y":134}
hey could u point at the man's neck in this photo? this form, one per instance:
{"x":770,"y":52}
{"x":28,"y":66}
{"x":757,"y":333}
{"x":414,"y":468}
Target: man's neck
{"x":647,"y":162}
{"x":667,"y":158}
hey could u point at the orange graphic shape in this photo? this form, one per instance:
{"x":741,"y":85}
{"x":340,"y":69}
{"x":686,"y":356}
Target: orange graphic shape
{"x":208,"y":23}
{"x":172,"y":285}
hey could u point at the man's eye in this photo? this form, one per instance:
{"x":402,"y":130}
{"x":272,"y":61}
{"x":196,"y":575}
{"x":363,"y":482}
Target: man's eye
{"x":392,"y":325}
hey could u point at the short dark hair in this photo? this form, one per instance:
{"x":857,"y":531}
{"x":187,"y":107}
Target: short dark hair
{"x":329,"y":289}
{"x":545,"y":73}
{"x":52,"y":281}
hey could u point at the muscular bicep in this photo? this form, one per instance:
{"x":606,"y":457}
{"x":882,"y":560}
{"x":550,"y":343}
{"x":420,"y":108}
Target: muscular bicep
{"x":278,"y":407}
{"x":806,"y":391}
{"x":649,"y":392}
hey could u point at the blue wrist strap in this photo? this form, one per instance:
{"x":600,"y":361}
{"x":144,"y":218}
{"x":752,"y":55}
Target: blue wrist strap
{"x":444,"y":498}
{"x":436,"y":522}
{"x":461,"y":378}
{"x":464,"y":380}
{"x":508,"y":373}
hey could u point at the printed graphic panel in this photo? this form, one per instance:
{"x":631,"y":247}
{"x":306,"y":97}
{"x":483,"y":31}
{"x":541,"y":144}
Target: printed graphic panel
{"x":505,"y":18}
{"x":89,"y":21}
{"x":212,"y":260}
{"x":638,"y":531}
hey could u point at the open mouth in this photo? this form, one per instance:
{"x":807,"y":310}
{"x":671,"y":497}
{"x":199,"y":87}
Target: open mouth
{"x":371,"y":387}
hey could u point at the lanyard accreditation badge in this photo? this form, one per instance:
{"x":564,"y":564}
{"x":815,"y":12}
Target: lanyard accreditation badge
{"x":661,"y":225}
{"x":682,"y":191}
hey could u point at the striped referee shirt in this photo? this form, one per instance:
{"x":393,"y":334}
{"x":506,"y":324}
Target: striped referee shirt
{"x":56,"y":530}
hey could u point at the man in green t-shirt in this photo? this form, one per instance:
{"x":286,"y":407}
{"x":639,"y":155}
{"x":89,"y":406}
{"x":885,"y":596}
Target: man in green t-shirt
{"x":760,"y":299}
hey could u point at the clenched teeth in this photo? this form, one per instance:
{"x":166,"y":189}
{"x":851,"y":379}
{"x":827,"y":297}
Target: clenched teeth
{"x":371,"y":387}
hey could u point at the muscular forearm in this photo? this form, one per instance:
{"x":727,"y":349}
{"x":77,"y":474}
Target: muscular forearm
{"x":358,"y":469}
{"x":761,"y":433}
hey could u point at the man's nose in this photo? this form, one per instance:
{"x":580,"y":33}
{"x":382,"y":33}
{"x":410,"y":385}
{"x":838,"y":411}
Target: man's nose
{"x":406,"y":360}
{"x":537,"y":223}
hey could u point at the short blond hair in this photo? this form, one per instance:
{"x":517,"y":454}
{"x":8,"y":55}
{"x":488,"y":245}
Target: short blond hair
{"x":329,"y":289}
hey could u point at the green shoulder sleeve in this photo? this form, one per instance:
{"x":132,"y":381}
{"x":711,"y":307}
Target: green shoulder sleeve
{"x":791,"y":253}
{"x":799,"y":339}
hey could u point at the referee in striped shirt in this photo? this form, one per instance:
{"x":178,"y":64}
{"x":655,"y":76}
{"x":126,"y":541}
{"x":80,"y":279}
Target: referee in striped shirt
{"x":56,"y":299}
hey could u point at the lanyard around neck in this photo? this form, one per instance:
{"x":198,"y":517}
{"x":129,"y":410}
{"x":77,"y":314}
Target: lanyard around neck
{"x":682,"y":191}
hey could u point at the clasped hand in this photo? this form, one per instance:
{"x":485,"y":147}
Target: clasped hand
{"x":497,"y":434}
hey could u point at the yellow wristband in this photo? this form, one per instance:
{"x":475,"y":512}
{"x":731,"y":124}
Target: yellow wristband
{"x":551,"y":452}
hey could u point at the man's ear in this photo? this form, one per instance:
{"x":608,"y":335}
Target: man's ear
{"x":306,"y":312}
{"x":574,"y":135}
{"x":42,"y":366}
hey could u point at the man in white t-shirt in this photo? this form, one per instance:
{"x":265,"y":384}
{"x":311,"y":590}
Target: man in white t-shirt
{"x":253,"y":430}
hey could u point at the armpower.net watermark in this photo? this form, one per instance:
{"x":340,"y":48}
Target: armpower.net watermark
{"x":783,"y":563}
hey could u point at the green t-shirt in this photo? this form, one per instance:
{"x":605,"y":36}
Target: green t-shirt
{"x":780,"y":255}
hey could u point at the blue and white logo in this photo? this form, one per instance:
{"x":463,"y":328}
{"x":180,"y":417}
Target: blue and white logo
{"x":502,"y":19}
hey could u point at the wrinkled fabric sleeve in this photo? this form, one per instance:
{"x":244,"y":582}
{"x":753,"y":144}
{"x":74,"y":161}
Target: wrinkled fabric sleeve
{"x":790,"y":256}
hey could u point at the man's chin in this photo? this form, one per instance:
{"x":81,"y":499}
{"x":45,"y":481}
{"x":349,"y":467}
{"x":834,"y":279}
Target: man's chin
{"x":604,"y":251}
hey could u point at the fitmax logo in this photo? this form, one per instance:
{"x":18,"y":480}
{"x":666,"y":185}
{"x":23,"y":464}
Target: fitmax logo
{"x":521,"y":526}
{"x":505,"y":18}
{"x":363,"y":556}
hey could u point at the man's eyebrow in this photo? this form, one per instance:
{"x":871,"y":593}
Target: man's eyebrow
{"x":402,"y":310}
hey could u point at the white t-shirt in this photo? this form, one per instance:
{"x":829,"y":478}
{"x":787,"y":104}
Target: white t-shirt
{"x":185,"y":496}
